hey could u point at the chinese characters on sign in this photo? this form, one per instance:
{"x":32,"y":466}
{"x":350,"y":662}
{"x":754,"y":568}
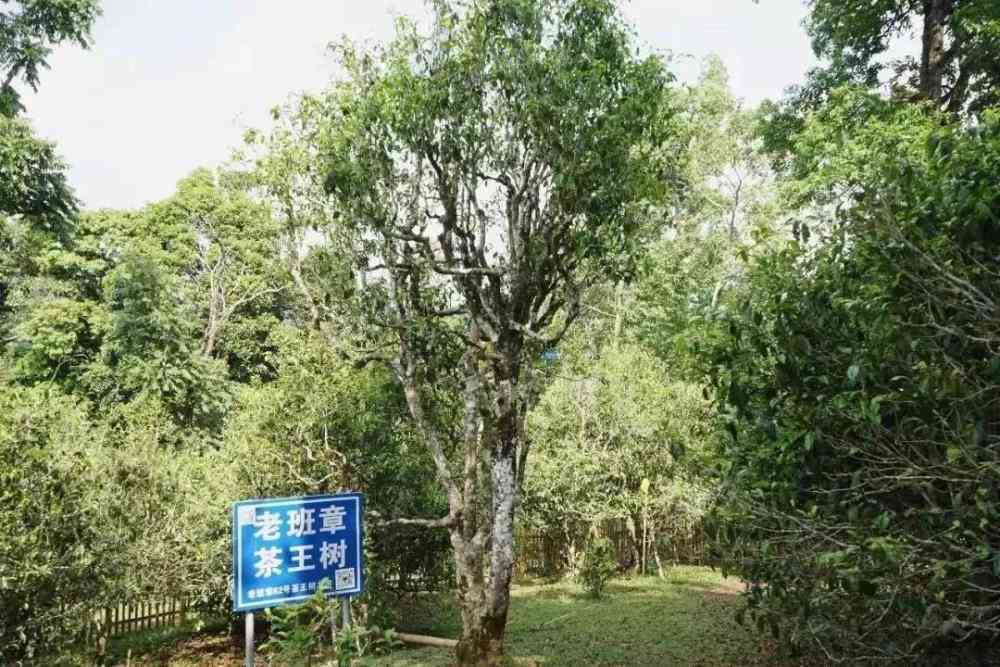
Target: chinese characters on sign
{"x":283,"y":549}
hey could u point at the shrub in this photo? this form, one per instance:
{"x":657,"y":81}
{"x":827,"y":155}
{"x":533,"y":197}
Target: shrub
{"x":298,"y":633}
{"x":862,"y":386}
{"x":599,"y":566}
{"x":56,"y":549}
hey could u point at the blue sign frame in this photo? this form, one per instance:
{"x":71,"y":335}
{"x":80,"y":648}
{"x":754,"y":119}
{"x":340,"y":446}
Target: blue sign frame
{"x":284,"y":547}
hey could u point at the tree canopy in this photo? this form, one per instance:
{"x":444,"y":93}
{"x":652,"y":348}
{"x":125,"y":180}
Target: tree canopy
{"x":491,"y":171}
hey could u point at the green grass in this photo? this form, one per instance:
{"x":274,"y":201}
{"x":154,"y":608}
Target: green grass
{"x":684,"y":619}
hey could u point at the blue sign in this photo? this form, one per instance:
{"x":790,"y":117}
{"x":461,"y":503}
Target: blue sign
{"x":284,"y":547}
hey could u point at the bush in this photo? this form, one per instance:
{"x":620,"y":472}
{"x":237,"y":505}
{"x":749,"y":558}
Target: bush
{"x":298,"y":633}
{"x":57,"y":550}
{"x":862,"y":387}
{"x":297,"y":630}
{"x":600,"y":565}
{"x":96,"y":514}
{"x":324,"y":426}
{"x":614,"y":437}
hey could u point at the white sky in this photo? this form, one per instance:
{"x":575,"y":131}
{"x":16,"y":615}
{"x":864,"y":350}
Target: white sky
{"x":170,"y":84}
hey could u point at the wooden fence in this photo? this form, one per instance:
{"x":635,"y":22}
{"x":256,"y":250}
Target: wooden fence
{"x":141,"y":615}
{"x":554,"y":552}
{"x":540,"y":553}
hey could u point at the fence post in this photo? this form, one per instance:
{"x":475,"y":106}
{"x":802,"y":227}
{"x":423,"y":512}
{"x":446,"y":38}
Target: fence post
{"x":103,"y":632}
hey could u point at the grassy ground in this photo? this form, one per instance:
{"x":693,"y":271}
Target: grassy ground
{"x":684,"y":619}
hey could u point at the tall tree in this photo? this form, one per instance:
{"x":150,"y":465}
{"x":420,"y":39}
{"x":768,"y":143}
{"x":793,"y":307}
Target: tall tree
{"x":36,"y":203}
{"x":728,"y":180}
{"x":958,"y":65}
{"x":489,"y":173}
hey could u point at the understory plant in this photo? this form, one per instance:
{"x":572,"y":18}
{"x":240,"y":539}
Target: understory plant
{"x":300,"y":632}
{"x":599,"y":566}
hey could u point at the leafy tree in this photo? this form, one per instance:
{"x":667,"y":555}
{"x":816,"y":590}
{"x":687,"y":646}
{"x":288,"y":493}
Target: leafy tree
{"x":325,"y":426}
{"x":489,"y":173}
{"x":223,"y":243}
{"x":151,"y":348}
{"x":37,"y":205}
{"x":614,"y":436}
{"x":32,"y":179}
{"x":691,"y":275}
{"x":153,"y":300}
{"x":841,"y":149}
{"x":28,"y":31}
{"x":959,"y":61}
{"x":861,"y":395}
{"x":728,"y":182}
{"x":622,"y":428}
{"x":283,"y":170}
{"x":957,"y":69}
{"x":53,"y":540}
{"x":59,"y":320}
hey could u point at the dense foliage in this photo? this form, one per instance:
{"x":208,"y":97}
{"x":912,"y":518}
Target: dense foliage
{"x":29,"y":29}
{"x":860,"y":376}
{"x":510,"y":240}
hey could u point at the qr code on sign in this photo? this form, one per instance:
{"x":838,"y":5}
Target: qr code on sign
{"x":344,"y":579}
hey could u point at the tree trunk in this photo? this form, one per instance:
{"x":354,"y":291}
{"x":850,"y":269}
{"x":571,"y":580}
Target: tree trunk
{"x":481,"y":643}
{"x":484,"y":616}
{"x":656,"y":550}
{"x":645,"y":540}
{"x":934,"y":60}
{"x":633,"y":543}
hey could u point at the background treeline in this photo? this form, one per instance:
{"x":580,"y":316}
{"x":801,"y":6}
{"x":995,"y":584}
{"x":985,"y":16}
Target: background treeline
{"x":805,"y":364}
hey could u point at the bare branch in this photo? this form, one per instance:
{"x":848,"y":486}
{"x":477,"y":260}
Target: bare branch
{"x":444,"y":522}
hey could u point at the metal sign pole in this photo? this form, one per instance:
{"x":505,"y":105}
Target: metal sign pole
{"x":249,"y":640}
{"x":333,"y":626}
{"x":345,"y":610}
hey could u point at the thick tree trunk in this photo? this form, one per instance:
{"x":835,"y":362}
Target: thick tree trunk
{"x":483,"y":502}
{"x":484,"y":615}
{"x":482,"y":641}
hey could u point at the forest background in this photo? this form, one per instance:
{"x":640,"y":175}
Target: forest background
{"x":781,"y":329}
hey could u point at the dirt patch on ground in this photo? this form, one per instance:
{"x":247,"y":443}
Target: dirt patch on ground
{"x":730,"y":586}
{"x":203,"y":651}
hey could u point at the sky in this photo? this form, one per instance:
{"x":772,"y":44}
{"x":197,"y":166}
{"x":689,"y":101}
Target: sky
{"x":171,"y":85}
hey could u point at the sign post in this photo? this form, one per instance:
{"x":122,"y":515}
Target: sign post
{"x":248,"y":640}
{"x":345,"y":608}
{"x":284,"y":547}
